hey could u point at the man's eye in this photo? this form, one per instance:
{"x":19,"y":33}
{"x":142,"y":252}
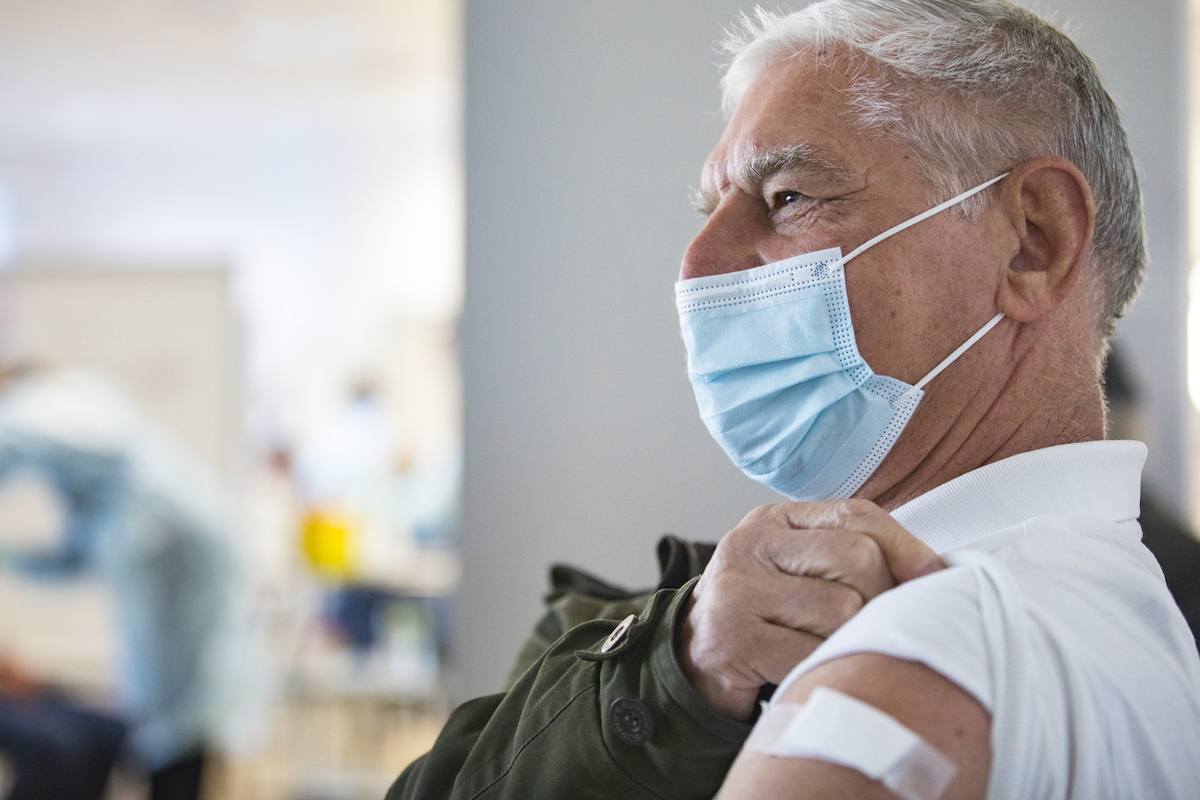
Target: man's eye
{"x":782,"y":199}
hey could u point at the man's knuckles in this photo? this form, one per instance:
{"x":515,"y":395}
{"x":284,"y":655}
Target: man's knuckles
{"x":852,"y":514}
{"x":837,"y":608}
{"x":770,"y":514}
{"x":818,"y":607}
{"x":749,"y":546}
{"x":831,"y":554}
{"x":854,"y":510}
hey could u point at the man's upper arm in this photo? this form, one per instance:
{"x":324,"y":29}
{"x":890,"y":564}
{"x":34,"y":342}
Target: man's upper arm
{"x":934,"y":708}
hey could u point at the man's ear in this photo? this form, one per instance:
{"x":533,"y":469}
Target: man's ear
{"x":1050,"y":207}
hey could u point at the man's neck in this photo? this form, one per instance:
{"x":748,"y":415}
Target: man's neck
{"x":1035,"y":401}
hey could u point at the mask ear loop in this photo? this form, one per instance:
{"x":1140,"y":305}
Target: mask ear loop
{"x":953,"y":201}
{"x":922,"y":217}
{"x":950,"y":359}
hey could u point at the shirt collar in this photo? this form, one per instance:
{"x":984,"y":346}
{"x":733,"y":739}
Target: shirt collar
{"x":1093,"y":479}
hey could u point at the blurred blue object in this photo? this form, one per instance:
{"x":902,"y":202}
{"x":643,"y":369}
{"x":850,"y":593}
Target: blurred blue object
{"x":153,"y":524}
{"x":356,"y":612}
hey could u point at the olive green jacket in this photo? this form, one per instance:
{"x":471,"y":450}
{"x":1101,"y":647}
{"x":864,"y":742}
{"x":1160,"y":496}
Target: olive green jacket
{"x":584,"y":720}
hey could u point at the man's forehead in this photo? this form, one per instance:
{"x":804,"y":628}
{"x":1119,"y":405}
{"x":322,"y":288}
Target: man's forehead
{"x":792,"y":117}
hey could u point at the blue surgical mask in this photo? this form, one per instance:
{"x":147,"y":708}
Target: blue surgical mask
{"x":778,"y":377}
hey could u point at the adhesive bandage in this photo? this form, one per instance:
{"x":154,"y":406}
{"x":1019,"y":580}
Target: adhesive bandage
{"x":837,"y":728}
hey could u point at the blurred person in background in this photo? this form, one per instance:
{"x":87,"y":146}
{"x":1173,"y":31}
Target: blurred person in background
{"x":141,"y":514}
{"x":57,"y":748}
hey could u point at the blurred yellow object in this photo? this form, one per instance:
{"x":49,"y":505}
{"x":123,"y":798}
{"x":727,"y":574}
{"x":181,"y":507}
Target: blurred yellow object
{"x":331,"y":543}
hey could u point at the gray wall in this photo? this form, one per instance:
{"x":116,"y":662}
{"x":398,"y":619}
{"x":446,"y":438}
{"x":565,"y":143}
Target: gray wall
{"x":587,"y":123}
{"x":1140,"y":49}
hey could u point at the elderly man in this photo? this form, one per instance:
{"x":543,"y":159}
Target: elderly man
{"x":922,"y":222}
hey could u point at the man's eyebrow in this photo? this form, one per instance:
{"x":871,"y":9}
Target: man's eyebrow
{"x":757,"y":169}
{"x":797,"y":157}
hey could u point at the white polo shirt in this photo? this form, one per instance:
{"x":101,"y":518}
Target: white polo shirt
{"x":1056,"y":618}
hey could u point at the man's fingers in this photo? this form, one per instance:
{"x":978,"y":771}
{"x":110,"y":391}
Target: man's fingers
{"x":778,"y":650}
{"x":907,"y":556}
{"x":729,"y":656}
{"x":814,"y":605}
{"x":780,"y":583}
{"x":752,"y":654}
{"x":847,"y":557}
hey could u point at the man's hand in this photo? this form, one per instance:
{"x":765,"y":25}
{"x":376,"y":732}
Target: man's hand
{"x":782,"y":581}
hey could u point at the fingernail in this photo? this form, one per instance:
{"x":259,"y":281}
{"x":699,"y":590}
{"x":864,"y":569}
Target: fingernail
{"x":931,"y":566}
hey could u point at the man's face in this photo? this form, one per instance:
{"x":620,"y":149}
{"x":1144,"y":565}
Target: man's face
{"x":791,"y":175}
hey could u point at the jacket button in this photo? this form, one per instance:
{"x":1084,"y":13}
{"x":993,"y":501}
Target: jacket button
{"x":631,"y":720}
{"x":618,"y":634}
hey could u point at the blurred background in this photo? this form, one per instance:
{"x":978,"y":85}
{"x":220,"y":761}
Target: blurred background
{"x":326,"y":326}
{"x":231,"y":234}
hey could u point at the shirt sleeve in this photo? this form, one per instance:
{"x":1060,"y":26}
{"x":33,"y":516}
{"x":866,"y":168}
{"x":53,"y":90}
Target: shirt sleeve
{"x":937,"y":620}
{"x":1073,"y":646}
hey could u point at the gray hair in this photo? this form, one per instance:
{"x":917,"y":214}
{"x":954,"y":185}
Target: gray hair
{"x":975,"y":87}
